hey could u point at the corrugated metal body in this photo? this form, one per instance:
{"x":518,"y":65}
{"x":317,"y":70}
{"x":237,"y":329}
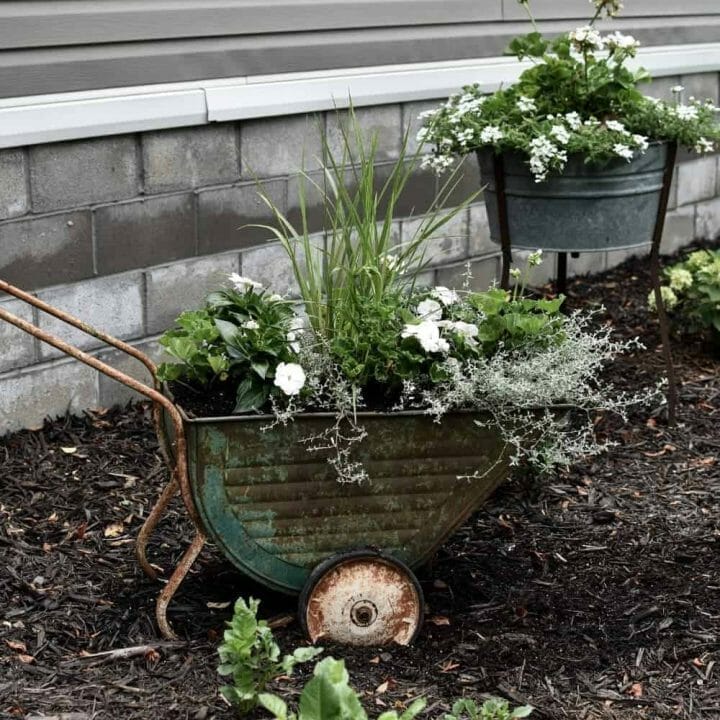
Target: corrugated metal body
{"x":51,"y":46}
{"x":276,"y":510}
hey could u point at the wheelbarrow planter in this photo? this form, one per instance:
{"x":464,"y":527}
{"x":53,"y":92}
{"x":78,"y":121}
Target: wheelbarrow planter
{"x":278,"y":513}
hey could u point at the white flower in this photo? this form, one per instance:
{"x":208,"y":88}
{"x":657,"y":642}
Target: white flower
{"x":526,"y":104}
{"x":445,"y":296}
{"x":422,"y":134}
{"x":704,"y":145}
{"x":535,"y":258}
{"x":621,"y":42}
{"x":641,"y":142}
{"x":290,"y":378}
{"x":586,"y":38}
{"x":515,"y":273}
{"x":429,"y":310}
{"x":438,"y":163}
{"x":677,"y":89}
{"x":491,"y":134}
{"x":544,"y":155}
{"x":297,"y":327}
{"x":427,"y":334}
{"x":242,"y":284}
{"x":560,"y":133}
{"x":573,"y":120}
{"x":624,"y":151}
{"x":251,"y":325}
{"x":686,"y":112}
{"x":467,"y":330}
{"x":669,"y":298}
{"x":616,"y":126}
{"x":276,"y":298}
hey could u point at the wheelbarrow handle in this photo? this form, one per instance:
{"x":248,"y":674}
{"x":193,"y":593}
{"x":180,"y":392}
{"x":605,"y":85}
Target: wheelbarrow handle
{"x":82,"y":326}
{"x":159,"y":400}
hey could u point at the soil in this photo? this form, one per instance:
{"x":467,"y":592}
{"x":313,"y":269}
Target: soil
{"x":593,"y":593}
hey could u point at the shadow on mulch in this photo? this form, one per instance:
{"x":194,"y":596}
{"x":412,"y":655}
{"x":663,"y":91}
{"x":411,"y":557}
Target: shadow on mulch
{"x":594,"y":593}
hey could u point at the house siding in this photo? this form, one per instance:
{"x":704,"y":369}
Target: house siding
{"x":45,"y":46}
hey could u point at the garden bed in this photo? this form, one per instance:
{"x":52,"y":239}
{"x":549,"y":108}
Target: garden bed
{"x":591,"y":594}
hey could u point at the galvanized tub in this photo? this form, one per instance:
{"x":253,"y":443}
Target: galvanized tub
{"x":587,"y":208}
{"x":276,"y":509}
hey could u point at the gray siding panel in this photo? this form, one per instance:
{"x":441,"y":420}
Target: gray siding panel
{"x":68,"y":45}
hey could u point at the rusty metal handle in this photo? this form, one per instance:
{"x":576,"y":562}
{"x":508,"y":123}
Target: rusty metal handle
{"x":82,"y":326}
{"x":180,"y":465}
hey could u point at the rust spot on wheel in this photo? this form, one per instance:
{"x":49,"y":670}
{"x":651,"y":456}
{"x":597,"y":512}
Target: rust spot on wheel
{"x":362,"y":599}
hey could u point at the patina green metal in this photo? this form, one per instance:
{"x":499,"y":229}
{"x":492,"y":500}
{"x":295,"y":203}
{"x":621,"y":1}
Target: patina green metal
{"x":276,"y":509}
{"x":586,"y":208}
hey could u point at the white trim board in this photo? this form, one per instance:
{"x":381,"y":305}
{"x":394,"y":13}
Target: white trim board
{"x":71,"y":116}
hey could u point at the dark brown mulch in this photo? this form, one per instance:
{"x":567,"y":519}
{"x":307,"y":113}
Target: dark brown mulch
{"x":591,"y":594}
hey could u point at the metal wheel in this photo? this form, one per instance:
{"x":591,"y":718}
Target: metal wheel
{"x":362,"y":598}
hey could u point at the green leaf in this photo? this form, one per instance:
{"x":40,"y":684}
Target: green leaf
{"x":228,"y":331}
{"x":251,"y":395}
{"x":415,"y":708}
{"x":320,"y":700}
{"x":260,"y":367}
{"x":522,"y":712}
{"x":273,"y":704}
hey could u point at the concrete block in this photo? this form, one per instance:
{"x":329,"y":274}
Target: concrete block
{"x":587,"y":263}
{"x":190,"y":157}
{"x":696,"y":180}
{"x":280,"y":146}
{"x":112,"y":304}
{"x":28,"y":397}
{"x":479,"y":231}
{"x":707,"y":220}
{"x":411,"y":123}
{"x":381,"y":123}
{"x":225,"y":213}
{"x":418,"y":195}
{"x":72,"y":174}
{"x":14,"y":199}
{"x":660,"y":88}
{"x":449,"y":244}
{"x":425,"y":280}
{"x":701,"y":86}
{"x":679,"y":229}
{"x":17,"y":348}
{"x":618,"y":257}
{"x":271,"y":266}
{"x":144,"y":232}
{"x":112,"y":392}
{"x":46,"y":250}
{"x":484,"y":272}
{"x":183,"y":286}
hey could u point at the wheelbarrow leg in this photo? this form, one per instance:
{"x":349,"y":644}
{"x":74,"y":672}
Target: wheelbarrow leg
{"x":149,"y":527}
{"x":174,"y":582}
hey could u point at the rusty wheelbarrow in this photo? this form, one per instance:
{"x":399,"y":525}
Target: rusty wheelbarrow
{"x":279,"y":515}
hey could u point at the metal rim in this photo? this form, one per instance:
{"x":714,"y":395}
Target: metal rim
{"x":363,"y":598}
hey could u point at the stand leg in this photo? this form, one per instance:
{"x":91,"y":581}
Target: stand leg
{"x":174,"y":582}
{"x":149,"y":527}
{"x":672,"y":394}
{"x":561,"y":279}
{"x":504,"y":223}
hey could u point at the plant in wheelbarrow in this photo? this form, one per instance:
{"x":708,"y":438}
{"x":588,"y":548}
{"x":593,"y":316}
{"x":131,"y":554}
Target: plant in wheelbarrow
{"x":353,"y":429}
{"x":574,"y":151}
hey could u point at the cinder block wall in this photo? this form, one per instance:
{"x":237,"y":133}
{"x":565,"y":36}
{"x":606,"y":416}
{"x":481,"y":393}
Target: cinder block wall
{"x":125,"y":232}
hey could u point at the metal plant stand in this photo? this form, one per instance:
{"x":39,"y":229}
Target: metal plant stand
{"x":561,"y":277}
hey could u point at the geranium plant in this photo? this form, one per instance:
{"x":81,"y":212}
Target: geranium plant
{"x":579,"y":96}
{"x":373,"y":339}
{"x":691,"y":292}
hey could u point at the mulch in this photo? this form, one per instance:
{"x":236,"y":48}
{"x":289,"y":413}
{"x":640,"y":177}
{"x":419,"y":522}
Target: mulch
{"x":593,"y":593}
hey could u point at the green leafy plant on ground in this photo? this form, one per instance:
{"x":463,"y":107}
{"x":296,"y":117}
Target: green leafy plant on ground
{"x":251,"y":657}
{"x":492,"y":709}
{"x":692,"y":292}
